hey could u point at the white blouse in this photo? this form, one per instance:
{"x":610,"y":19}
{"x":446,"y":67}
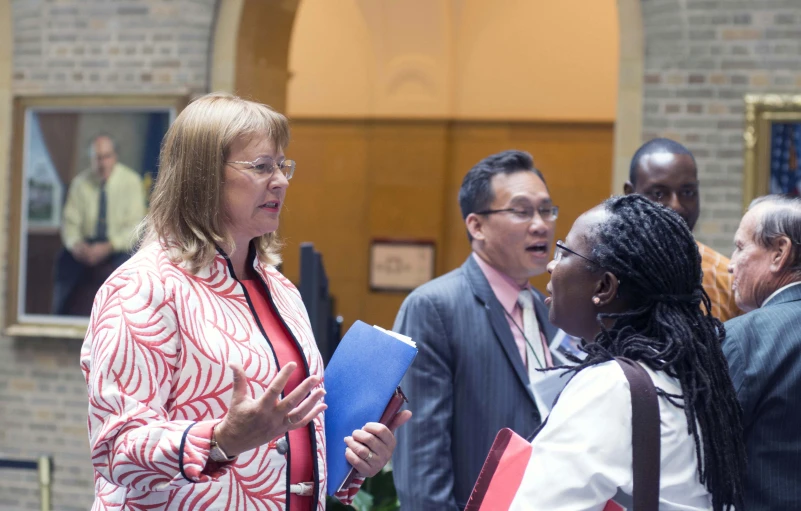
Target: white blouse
{"x":582,"y":456}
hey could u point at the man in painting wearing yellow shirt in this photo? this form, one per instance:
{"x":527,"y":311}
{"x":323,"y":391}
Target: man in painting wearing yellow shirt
{"x":104,"y":205}
{"x":665,"y":171}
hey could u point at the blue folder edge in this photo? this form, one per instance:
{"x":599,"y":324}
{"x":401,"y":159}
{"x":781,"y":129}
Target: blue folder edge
{"x":366,"y":368}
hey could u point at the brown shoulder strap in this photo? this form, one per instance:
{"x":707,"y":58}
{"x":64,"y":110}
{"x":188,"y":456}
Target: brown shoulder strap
{"x":645,"y":436}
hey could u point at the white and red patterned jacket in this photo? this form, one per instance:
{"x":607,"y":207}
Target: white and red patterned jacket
{"x":154,"y":359}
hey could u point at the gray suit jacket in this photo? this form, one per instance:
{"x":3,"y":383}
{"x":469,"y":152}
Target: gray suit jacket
{"x":763,"y":348}
{"x":466,"y":384}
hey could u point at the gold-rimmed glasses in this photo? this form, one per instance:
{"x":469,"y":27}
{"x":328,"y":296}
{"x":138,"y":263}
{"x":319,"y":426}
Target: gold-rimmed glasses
{"x":265,"y":166}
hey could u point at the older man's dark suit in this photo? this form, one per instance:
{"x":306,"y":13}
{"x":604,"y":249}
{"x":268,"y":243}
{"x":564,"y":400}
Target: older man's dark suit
{"x":466,"y":384}
{"x":763,"y":348}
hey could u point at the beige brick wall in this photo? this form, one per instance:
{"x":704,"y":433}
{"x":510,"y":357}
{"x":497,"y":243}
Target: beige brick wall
{"x":82,"y":47}
{"x":43,"y":412}
{"x":118,"y":47}
{"x":701,"y":58}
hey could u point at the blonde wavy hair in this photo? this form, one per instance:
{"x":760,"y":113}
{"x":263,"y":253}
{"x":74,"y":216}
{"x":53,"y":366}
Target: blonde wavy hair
{"x":187,"y":213}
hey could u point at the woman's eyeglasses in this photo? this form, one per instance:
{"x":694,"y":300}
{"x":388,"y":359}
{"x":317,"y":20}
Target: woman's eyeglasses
{"x":265,"y":166}
{"x":561,"y":248}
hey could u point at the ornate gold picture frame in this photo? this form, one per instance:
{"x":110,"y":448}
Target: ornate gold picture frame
{"x":772,"y":145}
{"x":55,"y":146}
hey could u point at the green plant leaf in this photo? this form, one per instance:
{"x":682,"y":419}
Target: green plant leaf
{"x":363,"y":501}
{"x":376,"y":494}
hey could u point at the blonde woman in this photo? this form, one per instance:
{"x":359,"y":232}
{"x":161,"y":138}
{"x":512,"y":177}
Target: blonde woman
{"x":204,"y":379}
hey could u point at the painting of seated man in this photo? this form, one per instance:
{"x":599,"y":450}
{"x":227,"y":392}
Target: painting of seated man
{"x":88,"y":182}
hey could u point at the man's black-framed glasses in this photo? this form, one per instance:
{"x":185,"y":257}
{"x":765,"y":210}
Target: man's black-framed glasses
{"x":560,"y":246}
{"x":547,"y":213}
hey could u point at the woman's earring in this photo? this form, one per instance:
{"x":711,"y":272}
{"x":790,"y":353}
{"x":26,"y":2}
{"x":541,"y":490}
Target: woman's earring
{"x":596,"y":300}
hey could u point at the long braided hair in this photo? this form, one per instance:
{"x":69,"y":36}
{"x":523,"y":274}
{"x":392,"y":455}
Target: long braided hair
{"x":651,"y":251}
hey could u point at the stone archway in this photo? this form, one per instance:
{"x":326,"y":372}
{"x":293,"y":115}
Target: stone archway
{"x":226,"y":35}
{"x":251,"y":49}
{"x":6,"y":70}
{"x":628,"y":121}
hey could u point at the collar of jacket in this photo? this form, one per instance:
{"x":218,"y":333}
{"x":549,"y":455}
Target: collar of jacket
{"x":790,"y":293}
{"x":251,"y":260}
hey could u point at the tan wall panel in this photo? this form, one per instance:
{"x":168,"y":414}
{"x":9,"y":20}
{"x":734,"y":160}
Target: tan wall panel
{"x":577,"y":163}
{"x":407,"y":179}
{"x":362,"y":180}
{"x":326,"y":204}
{"x":407,"y":162}
{"x":470,"y":142}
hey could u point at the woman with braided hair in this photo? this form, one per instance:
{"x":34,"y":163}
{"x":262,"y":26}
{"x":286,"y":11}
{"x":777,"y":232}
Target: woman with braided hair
{"x":627,"y":280}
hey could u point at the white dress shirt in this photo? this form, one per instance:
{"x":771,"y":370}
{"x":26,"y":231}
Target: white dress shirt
{"x":773,"y":294}
{"x":583,"y":454}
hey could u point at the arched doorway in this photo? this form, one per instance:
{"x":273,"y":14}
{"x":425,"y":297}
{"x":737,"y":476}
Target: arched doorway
{"x":385,"y":127}
{"x":251,"y":49}
{"x":6,"y":96}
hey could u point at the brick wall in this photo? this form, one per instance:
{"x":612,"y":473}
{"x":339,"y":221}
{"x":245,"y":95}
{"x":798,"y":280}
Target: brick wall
{"x":96,"y":46}
{"x":83,"y":47}
{"x":43,"y":412}
{"x":701,"y":58}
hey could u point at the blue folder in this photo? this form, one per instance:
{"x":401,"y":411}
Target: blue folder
{"x":360,"y":379}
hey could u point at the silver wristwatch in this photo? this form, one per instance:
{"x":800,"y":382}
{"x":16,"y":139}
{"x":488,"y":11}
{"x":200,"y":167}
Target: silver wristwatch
{"x":216,"y":453}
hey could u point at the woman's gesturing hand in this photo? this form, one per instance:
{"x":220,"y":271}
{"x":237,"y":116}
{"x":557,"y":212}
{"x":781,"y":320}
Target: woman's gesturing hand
{"x":250,"y":422}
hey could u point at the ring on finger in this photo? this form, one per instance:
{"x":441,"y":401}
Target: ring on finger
{"x":369,"y":456}
{"x":289,"y":420}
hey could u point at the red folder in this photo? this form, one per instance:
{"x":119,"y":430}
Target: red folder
{"x":502,"y":474}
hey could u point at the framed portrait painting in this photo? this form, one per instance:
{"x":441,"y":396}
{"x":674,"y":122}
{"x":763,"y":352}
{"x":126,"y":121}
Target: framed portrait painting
{"x":82,"y":169}
{"x":772,"y":145}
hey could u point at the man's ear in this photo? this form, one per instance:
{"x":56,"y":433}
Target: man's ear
{"x":781,"y":254}
{"x":475,"y":226}
{"x":606,"y":289}
{"x":628,"y":188}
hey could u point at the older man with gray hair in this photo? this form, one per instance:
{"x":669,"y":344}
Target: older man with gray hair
{"x":763,"y":348}
{"x":104,"y":205}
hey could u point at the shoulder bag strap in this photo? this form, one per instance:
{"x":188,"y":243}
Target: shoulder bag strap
{"x":645,"y":436}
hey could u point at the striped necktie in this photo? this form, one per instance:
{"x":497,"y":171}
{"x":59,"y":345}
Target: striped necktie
{"x":535,"y":351}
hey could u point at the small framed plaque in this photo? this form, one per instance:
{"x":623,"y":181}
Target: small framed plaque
{"x":400,"y":265}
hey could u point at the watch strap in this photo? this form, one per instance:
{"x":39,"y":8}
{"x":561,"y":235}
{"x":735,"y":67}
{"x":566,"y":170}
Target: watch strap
{"x":216,"y":453}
